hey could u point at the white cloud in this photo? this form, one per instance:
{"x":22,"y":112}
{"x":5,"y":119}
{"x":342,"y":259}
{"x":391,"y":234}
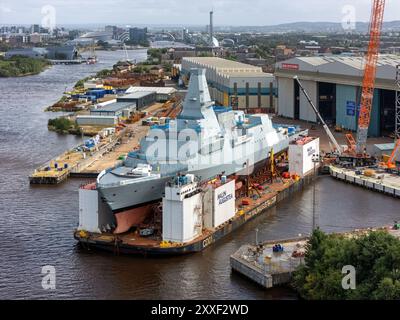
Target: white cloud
{"x":5,"y":9}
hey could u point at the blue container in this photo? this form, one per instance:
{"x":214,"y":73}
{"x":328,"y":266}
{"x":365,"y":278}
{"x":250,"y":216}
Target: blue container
{"x":98,"y":93}
{"x":291,"y":130}
{"x":133,"y":154}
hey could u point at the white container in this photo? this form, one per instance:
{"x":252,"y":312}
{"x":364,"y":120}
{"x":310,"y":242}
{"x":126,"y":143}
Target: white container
{"x":223,"y":203}
{"x":182,"y":213}
{"x":301,"y":157}
{"x":94,"y":215}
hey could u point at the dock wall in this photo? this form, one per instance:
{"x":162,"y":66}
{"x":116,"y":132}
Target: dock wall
{"x":365,"y":182}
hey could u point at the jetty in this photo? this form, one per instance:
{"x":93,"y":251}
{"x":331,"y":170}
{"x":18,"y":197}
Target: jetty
{"x":272,"y":263}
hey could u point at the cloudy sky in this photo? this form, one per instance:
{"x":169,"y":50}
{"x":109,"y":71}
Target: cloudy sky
{"x":189,"y":12}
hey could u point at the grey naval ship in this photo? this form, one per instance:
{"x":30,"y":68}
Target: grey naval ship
{"x":204,"y":140}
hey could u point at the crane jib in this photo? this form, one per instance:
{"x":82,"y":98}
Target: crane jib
{"x":368,"y":83}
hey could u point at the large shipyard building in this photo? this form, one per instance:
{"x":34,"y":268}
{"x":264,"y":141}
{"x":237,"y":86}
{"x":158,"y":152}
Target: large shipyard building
{"x":234,"y":84}
{"x":334,"y":84}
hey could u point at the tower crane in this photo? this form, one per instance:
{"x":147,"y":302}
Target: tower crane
{"x":368,"y":83}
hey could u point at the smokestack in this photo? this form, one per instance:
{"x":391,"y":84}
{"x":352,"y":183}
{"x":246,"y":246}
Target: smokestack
{"x":211,"y":29}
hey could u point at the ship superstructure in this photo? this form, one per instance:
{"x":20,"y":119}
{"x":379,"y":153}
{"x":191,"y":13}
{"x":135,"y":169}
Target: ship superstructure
{"x":204,"y":140}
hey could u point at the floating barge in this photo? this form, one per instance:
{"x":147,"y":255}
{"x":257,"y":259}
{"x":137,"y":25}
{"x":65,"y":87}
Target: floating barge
{"x":71,"y":163}
{"x":196,"y":215}
{"x":384,"y":182}
{"x":55,"y":176}
{"x":133,"y":243}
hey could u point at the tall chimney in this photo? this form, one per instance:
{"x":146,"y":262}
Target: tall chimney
{"x":211,"y":29}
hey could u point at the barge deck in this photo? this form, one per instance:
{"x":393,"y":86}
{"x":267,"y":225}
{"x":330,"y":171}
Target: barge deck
{"x":133,"y":243}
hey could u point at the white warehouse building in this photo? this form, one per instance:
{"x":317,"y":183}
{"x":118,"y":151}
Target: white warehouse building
{"x":334,"y":83}
{"x":234,"y":84}
{"x":162,"y":93}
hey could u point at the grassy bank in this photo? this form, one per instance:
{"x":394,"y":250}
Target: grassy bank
{"x":63,"y":125}
{"x":18,"y":66}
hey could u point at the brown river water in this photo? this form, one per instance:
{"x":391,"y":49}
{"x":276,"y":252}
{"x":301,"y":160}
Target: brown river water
{"x":36,"y":223}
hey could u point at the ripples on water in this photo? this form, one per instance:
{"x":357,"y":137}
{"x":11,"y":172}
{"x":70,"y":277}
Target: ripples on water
{"x":37,"y":222}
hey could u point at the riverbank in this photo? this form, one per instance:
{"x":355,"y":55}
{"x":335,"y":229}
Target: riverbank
{"x":312,"y":265}
{"x":32,"y":213}
{"x":19,"y":66}
{"x":111,"y":81}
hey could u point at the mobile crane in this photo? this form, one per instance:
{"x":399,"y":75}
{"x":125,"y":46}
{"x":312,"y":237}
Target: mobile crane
{"x":337,"y":148}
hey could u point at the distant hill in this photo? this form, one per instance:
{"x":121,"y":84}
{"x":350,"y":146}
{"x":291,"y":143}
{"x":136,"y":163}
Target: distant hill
{"x":315,"y":27}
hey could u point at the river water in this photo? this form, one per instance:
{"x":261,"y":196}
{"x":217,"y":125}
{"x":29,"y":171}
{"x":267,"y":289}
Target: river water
{"x":36,"y":223}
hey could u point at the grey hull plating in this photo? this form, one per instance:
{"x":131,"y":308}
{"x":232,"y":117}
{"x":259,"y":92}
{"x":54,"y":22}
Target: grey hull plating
{"x":227,"y":142}
{"x":122,"y":197}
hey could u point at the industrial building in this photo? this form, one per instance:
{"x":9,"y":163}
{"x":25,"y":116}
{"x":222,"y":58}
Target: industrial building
{"x":162,"y":93}
{"x":334,"y":84}
{"x":96,"y":120}
{"x":96,"y":36}
{"x":137,"y":35}
{"x":53,"y":53}
{"x":139,"y":99}
{"x":37,"y":53}
{"x":115,"y":109}
{"x":233,"y":83}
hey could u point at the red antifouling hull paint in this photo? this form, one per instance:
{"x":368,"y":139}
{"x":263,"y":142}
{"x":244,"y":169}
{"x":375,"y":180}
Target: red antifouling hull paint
{"x":128,"y":219}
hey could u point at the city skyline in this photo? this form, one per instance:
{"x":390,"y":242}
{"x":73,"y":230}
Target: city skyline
{"x":179,"y":12}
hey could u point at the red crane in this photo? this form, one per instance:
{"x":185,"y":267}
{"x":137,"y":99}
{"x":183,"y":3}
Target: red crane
{"x":369,"y":75}
{"x":391,"y":164}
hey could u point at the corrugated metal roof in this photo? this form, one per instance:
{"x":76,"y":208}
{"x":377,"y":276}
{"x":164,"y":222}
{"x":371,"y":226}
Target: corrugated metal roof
{"x":91,"y":116}
{"x":136,"y":95}
{"x":386,"y":59}
{"x":114,"y":107}
{"x":341,"y":65}
{"x":158,"y":90}
{"x":248,"y":74}
{"x":314,"y":61}
{"x":384,"y":146}
{"x":221,"y":63}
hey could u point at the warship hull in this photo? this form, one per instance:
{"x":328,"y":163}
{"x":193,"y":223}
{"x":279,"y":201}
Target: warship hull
{"x":210,"y":141}
{"x":123,"y":198}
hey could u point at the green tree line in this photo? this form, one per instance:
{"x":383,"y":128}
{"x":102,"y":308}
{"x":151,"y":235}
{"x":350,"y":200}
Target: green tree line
{"x":20,"y":65}
{"x":375,"y":257}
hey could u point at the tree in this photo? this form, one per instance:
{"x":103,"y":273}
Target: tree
{"x":167,"y":66}
{"x":388,"y":289}
{"x":375,"y":256}
{"x":103,"y":73}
